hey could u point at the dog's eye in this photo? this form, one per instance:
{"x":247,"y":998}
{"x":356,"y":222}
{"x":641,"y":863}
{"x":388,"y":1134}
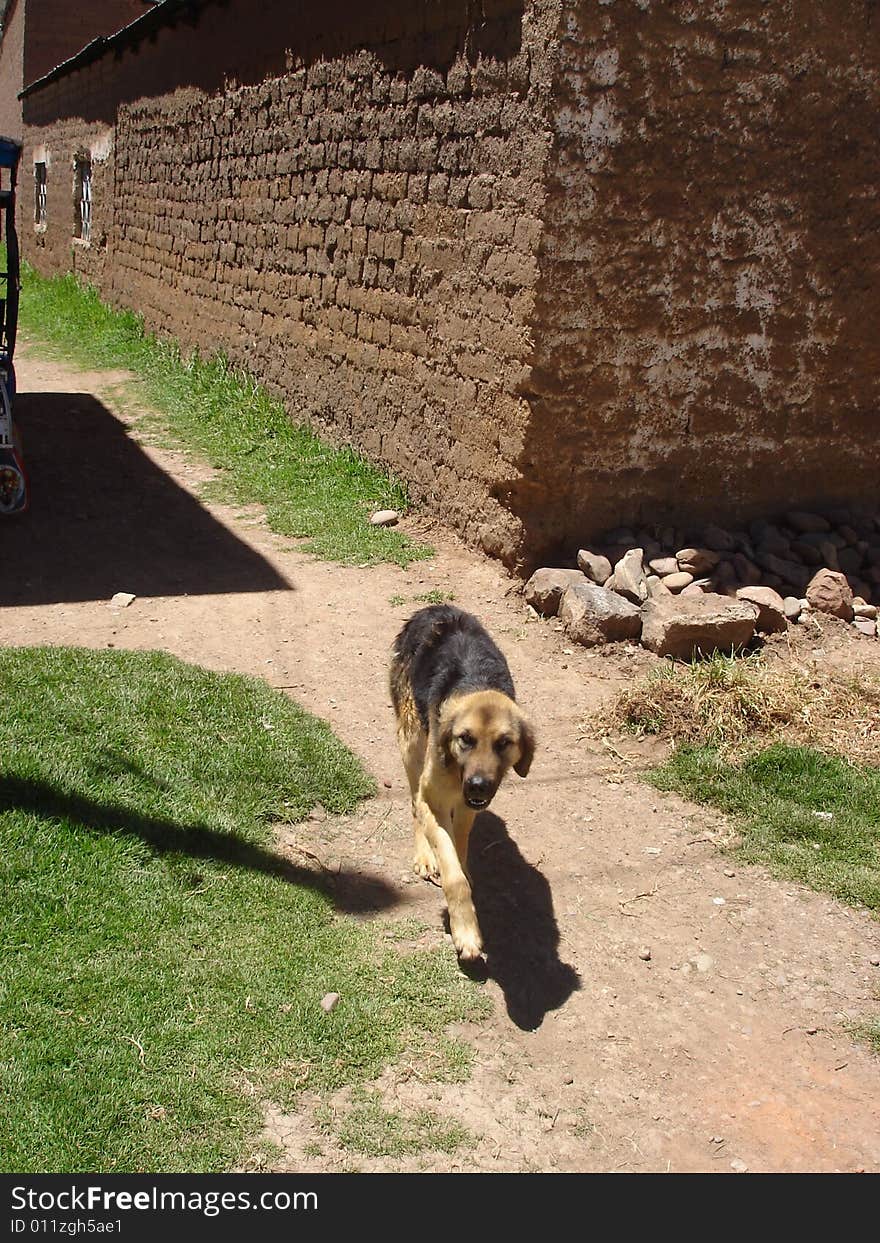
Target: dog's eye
{"x":502,"y":743}
{"x":466,"y":739}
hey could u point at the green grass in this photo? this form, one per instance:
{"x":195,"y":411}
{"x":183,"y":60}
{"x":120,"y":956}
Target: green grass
{"x":814,"y":818}
{"x":435,"y":596}
{"x":805,"y":815}
{"x":161,"y":968}
{"x":368,"y":1128}
{"x":308,"y":488}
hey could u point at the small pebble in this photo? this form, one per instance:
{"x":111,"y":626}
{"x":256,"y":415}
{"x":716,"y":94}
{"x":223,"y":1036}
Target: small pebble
{"x":645,"y":953}
{"x":328,"y":1002}
{"x":729,"y":872}
{"x":384,"y":518}
{"x":875,"y":961}
{"x":122,"y":599}
{"x":738,"y":1166}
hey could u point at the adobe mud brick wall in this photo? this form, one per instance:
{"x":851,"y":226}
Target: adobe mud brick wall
{"x":559,"y":265}
{"x":359,"y":229}
{"x":707,"y":330}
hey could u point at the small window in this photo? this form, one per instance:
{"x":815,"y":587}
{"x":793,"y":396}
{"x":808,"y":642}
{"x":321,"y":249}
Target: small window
{"x":40,"y":193}
{"x":82,"y":195}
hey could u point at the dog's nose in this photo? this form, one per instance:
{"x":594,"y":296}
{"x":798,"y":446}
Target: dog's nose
{"x":478,"y":789}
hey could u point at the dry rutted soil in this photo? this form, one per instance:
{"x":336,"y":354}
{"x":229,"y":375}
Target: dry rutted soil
{"x":725,"y":1049}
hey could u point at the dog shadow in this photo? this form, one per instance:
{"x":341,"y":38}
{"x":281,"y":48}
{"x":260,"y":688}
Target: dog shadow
{"x":514,"y":906}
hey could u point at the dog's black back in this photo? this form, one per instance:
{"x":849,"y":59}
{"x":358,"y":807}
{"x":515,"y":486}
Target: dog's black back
{"x":443,"y":650}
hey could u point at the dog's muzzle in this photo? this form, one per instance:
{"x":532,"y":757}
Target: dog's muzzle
{"x":478,"y":792}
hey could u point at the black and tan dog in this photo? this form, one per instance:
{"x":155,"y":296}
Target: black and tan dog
{"x":459,"y":731}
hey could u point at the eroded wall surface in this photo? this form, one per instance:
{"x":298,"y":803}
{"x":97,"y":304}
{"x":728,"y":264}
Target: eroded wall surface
{"x":708,"y":327}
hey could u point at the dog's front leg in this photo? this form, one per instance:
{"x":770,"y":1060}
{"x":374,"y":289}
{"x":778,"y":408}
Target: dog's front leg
{"x":462,"y":917}
{"x":461,"y":826}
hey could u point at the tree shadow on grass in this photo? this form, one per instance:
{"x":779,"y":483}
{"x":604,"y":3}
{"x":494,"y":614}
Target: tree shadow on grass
{"x":353,"y":893}
{"x":514,"y":905}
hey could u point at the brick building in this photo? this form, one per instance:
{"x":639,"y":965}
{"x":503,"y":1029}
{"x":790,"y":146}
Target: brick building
{"x":560,"y":264}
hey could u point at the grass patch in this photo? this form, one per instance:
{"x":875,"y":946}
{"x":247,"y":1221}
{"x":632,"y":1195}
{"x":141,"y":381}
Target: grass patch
{"x":371,"y":1130}
{"x":811,"y":817}
{"x":791,"y":753}
{"x":309,"y":490}
{"x":869,"y":1032}
{"x":160,"y":967}
{"x":740,"y":703}
{"x":434,"y":596}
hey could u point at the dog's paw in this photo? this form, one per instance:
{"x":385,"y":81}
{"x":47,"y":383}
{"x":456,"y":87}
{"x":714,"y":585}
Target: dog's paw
{"x":425,"y":865}
{"x":467,"y":941}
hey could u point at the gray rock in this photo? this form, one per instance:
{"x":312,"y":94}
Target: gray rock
{"x":808,"y":553}
{"x":787,"y":571}
{"x":718,"y":539}
{"x":596,"y":567}
{"x":829,"y":551}
{"x":544,"y":589}
{"x":865,"y":625}
{"x":663,"y":566}
{"x":792,"y":607}
{"x":746,"y":570}
{"x":861,"y":589}
{"x":861,"y":608}
{"x":697,"y":561}
{"x":685,"y":627}
{"x":829,"y":592}
{"x":800,"y":520}
{"x":849,"y":560}
{"x":774,"y":541}
{"x":816,"y":538}
{"x":677,"y":582}
{"x":770,"y":606}
{"x":657,"y":587}
{"x":384,"y":518}
{"x":592,"y":615}
{"x":629,"y":578}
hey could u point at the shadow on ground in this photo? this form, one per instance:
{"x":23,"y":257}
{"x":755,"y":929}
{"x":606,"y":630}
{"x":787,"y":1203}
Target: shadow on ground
{"x":104,"y":518}
{"x":354,"y":893}
{"x":514,"y":905}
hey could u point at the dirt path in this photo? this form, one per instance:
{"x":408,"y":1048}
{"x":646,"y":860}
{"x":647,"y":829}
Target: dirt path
{"x":726,"y":1049}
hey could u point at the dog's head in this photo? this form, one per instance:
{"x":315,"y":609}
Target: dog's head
{"x":484,"y":734}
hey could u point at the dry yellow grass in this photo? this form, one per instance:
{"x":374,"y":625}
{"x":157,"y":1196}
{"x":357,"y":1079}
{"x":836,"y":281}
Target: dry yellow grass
{"x":743,"y":703}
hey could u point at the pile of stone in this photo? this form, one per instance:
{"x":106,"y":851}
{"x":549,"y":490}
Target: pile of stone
{"x":690,"y":593}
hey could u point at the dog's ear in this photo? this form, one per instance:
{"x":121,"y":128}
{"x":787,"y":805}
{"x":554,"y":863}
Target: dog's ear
{"x":444,"y":732}
{"x":526,"y":747}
